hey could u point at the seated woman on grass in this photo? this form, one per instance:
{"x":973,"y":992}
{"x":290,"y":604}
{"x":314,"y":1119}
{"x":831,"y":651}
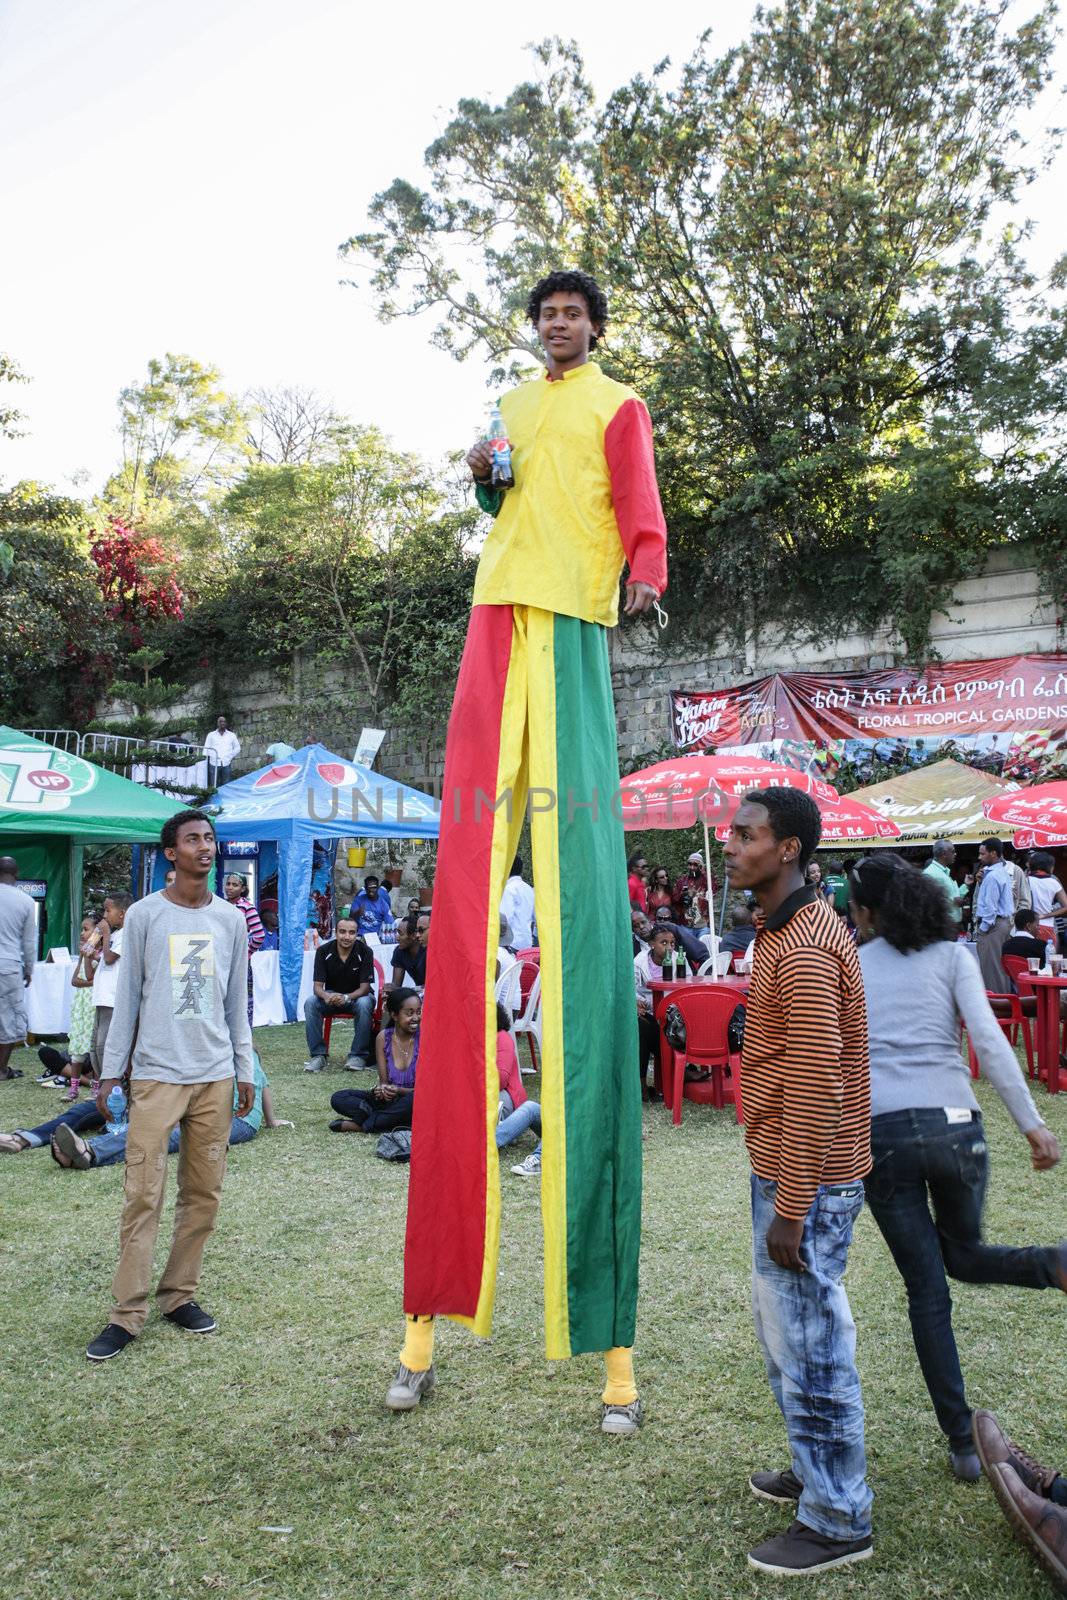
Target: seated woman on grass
{"x":517,"y":1112}
{"x":389,"y":1103}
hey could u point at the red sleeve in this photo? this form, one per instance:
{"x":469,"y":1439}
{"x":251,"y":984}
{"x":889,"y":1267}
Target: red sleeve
{"x":507,"y":1065}
{"x":635,"y":494}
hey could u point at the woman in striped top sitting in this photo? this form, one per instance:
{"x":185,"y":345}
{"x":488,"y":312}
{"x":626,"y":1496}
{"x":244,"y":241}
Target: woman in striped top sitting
{"x":928,"y":1142}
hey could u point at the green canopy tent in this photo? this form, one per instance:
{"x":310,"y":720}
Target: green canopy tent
{"x":52,"y":804}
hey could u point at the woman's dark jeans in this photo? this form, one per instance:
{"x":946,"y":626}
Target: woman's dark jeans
{"x":921,"y":1160}
{"x":378,"y":1116}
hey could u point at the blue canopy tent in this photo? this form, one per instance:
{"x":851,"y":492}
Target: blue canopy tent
{"x":312,"y":795}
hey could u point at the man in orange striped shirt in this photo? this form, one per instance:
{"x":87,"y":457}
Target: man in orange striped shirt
{"x":805,"y":1085}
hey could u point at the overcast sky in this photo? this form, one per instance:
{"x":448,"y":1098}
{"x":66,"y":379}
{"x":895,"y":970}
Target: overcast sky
{"x":179,"y":178}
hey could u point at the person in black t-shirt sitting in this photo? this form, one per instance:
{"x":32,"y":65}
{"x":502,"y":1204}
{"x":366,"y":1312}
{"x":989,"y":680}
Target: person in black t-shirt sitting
{"x":1026,"y":940}
{"x":344,"y":981}
{"x":409,"y":956}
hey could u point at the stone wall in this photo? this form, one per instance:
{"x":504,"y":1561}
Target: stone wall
{"x":999,"y":612}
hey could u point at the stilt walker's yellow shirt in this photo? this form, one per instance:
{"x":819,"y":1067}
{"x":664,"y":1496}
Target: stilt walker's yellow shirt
{"x":585,"y":501}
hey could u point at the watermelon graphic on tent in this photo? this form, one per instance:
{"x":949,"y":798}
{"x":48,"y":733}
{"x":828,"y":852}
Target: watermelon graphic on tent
{"x":315,"y":796}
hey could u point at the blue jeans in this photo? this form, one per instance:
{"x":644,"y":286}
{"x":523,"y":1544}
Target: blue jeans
{"x":922,"y":1160}
{"x":509,"y":1128}
{"x":109,"y":1148}
{"x":315,"y":1013}
{"x":805,"y":1327}
{"x":80,"y":1117}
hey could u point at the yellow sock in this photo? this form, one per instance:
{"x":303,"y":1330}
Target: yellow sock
{"x":417,"y":1353}
{"x":620,"y":1389}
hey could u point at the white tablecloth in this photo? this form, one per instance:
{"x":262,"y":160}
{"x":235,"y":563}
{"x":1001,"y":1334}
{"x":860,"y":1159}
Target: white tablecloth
{"x":268,"y":1004}
{"x":48,"y":998}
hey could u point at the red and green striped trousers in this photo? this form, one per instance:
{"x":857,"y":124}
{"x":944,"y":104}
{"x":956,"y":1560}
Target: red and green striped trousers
{"x":533,"y":722}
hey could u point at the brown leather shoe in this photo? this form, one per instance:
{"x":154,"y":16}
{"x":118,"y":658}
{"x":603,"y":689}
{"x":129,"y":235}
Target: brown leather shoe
{"x":996,"y":1449}
{"x":1039,"y":1523}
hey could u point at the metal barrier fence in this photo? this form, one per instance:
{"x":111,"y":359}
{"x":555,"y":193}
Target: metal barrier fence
{"x":99,"y":746}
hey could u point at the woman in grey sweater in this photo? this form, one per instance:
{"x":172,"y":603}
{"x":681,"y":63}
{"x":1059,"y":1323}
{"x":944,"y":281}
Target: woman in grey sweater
{"x":927,"y":1138}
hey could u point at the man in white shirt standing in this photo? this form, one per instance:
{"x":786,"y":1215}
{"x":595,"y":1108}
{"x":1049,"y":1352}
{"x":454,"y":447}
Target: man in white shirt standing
{"x":517,"y":905}
{"x":224,"y":744}
{"x":181,"y":1020}
{"x":18,"y":951}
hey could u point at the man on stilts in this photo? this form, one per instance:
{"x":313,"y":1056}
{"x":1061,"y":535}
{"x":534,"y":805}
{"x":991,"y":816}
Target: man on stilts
{"x":533,"y":721}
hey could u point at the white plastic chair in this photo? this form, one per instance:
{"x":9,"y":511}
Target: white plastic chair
{"x":708,"y":969}
{"x":523,"y":1018}
{"x":530,"y":1024}
{"x":508,"y":990}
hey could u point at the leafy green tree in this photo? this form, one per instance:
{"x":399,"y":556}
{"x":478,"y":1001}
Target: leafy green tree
{"x":57,"y":645}
{"x":139,"y":731}
{"x":184,"y":440}
{"x":857,"y":384}
{"x":360,"y":563}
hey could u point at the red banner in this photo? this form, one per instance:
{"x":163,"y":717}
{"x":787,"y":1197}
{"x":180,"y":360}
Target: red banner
{"x":1001,"y":715}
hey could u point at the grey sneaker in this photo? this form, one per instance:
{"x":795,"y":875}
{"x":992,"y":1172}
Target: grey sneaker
{"x":408,"y":1388}
{"x":622,"y":1420}
{"x":784,"y":1488}
{"x":531,"y":1167}
{"x":315,"y":1064}
{"x":356,"y":1064}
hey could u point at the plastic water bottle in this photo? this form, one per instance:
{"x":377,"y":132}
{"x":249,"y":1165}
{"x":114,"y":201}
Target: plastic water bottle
{"x":503,"y":477}
{"x":1050,"y":951}
{"x":116,"y":1107}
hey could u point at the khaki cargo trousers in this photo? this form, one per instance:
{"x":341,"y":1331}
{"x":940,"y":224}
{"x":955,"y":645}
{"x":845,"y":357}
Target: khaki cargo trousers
{"x":204,"y":1112}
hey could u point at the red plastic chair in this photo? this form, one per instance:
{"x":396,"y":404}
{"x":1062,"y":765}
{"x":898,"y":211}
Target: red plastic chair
{"x":1007,"y":1008}
{"x":1018,"y":970}
{"x":706,"y":1011}
{"x":339,"y":1016}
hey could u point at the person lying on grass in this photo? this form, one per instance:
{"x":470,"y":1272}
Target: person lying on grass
{"x":71,"y":1150}
{"x":389,"y":1104}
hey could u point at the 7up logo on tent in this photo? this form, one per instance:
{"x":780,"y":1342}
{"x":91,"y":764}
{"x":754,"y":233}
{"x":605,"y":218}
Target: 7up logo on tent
{"x":35,"y":778}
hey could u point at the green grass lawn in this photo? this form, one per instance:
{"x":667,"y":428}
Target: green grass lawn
{"x":158,"y":1473}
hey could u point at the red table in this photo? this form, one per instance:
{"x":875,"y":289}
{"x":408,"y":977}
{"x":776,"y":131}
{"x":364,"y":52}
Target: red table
{"x":1047,"y":992}
{"x":661,"y":994}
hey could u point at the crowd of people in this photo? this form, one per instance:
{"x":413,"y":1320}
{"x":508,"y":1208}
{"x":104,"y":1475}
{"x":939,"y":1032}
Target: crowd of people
{"x":849,"y":1095}
{"x":877,"y":1105}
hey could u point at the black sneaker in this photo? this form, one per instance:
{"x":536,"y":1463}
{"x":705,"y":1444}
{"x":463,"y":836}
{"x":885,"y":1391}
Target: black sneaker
{"x":110,"y":1343}
{"x":192,"y":1318}
{"x":785,"y":1488}
{"x":800,"y":1550}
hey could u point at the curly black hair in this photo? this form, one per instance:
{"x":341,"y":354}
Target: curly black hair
{"x":571,"y":283}
{"x":792,"y":814}
{"x":910,"y":909}
{"x":168,"y":837}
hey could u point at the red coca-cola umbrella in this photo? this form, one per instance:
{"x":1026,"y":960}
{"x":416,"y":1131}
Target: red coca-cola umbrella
{"x":1041,"y":810}
{"x":706,"y":789}
{"x":846,"y":821}
{"x":1034,"y":839}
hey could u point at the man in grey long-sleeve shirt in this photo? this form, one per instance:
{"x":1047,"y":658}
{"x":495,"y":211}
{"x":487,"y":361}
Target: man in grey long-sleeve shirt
{"x":18,"y":950}
{"x":181,"y":1020}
